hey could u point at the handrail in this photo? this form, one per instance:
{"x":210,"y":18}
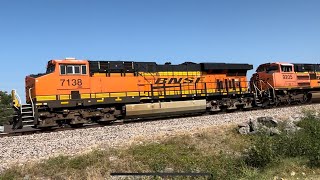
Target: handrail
{"x":256,"y":89}
{"x":274,"y":92}
{"x":267,"y":83}
{"x":31,"y":101}
{"x":17,"y":97}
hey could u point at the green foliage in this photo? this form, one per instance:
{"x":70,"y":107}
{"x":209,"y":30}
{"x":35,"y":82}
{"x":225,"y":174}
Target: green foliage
{"x":303,"y":143}
{"x":6,"y":110}
{"x":262,"y":153}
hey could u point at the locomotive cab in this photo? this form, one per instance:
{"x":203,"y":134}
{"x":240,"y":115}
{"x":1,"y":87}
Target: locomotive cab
{"x":275,"y":75}
{"x":66,"y":77}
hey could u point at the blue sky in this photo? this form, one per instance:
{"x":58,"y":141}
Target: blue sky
{"x":241,"y":31}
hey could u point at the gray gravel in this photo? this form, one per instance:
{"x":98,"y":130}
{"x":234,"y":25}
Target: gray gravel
{"x":22,"y":149}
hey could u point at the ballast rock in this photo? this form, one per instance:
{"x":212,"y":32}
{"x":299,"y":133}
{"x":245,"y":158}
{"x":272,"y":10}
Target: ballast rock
{"x":267,"y":125}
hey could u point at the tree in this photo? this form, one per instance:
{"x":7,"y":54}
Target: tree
{"x":6,"y":110}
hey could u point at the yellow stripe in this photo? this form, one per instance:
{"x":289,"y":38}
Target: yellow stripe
{"x":46,"y":98}
{"x":100,"y":100}
{"x":64,"y":102}
{"x":132,"y":93}
{"x":170,"y":73}
{"x":143,"y":93}
{"x":102,"y":95}
{"x":117,"y":94}
{"x":64,"y":97}
{"x":186,"y":92}
{"x":100,"y":74}
{"x":85,"y":96}
{"x":210,"y":91}
{"x":161,"y":96}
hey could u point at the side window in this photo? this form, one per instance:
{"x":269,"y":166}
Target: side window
{"x":62,"y":69}
{"x":69,"y":69}
{"x":84,"y":69}
{"x":286,"y":68}
{"x":73,"y":69}
{"x":76,"y":69}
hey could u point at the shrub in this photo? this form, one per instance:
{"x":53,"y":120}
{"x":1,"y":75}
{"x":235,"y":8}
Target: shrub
{"x":303,"y":143}
{"x":262,"y":152}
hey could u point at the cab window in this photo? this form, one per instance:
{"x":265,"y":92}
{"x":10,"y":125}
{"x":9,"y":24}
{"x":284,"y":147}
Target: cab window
{"x":286,"y":68}
{"x":73,"y":69}
{"x":261,"y":69}
{"x":272,"y":68}
{"x":84,"y":69}
{"x":50,"y":68}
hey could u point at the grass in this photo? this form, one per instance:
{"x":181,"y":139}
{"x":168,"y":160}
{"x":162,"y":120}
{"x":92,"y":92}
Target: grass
{"x":220,"y":151}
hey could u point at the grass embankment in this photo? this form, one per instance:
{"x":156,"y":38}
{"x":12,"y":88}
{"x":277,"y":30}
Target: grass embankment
{"x":220,"y":151}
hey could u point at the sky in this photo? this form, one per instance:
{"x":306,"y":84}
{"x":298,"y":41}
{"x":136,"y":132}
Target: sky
{"x":232,"y":31}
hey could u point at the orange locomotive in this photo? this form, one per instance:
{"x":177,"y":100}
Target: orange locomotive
{"x":75,"y":92}
{"x":285,"y":83}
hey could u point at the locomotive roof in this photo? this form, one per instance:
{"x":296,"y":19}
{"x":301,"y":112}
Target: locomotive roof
{"x":204,"y":65}
{"x":102,"y":65}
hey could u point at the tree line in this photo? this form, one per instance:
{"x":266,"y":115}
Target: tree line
{"x":6,"y":110}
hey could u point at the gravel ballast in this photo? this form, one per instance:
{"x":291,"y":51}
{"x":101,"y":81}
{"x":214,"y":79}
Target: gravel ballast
{"x":30,"y":148}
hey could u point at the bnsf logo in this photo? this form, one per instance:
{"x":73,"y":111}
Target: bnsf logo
{"x":177,"y":80}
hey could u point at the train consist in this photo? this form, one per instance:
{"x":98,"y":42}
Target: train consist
{"x":76,"y":92}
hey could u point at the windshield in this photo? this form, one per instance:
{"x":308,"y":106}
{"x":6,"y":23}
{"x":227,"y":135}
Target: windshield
{"x":50,"y":68}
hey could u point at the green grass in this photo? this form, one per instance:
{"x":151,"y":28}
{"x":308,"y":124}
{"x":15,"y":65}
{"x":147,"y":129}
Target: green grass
{"x":220,"y":151}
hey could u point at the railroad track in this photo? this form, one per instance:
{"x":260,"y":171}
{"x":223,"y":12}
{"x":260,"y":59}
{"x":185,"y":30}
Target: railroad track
{"x":29,"y":130}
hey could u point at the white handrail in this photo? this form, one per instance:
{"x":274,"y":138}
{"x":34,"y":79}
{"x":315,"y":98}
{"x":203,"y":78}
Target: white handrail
{"x":274,"y":92}
{"x":256,"y":88}
{"x":31,"y":101}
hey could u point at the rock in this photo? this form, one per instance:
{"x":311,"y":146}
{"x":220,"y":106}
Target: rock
{"x":290,"y":127}
{"x":267,"y":121}
{"x":293,"y":173}
{"x":240,"y":125}
{"x":254,"y":126}
{"x":244,"y":130}
{"x":273,"y":131}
